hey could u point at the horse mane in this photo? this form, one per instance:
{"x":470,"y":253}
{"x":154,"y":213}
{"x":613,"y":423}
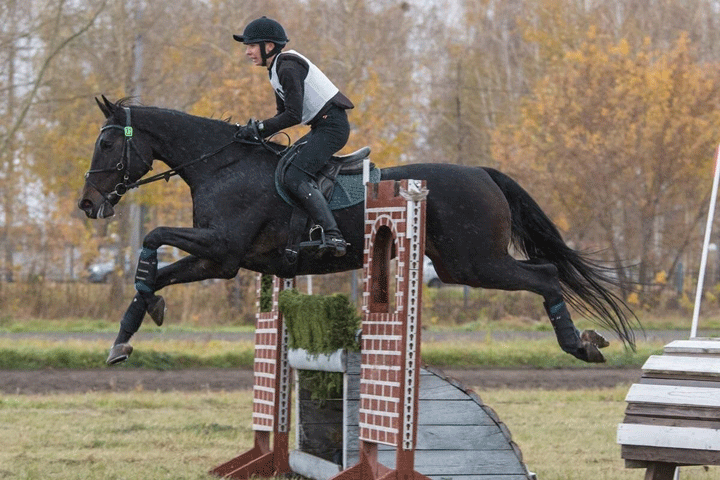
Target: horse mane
{"x":132,"y":101}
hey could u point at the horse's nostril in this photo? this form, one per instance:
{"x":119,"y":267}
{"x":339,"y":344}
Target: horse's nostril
{"x":85,"y":204}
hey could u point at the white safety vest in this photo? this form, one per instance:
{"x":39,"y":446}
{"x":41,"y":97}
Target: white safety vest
{"x":318,"y":89}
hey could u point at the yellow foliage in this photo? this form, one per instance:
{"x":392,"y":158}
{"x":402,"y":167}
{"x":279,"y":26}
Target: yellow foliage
{"x":614,"y":125}
{"x":633,"y":299}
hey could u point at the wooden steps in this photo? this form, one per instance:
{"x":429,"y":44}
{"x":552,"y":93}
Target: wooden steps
{"x":673,"y":414}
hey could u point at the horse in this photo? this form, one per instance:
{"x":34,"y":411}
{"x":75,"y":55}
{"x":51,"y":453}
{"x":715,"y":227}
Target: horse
{"x":474,"y":216}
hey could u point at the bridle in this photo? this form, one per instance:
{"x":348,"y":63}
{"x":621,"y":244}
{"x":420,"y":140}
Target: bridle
{"x":124,"y":164}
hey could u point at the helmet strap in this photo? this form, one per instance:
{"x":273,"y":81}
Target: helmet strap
{"x":276,"y":49}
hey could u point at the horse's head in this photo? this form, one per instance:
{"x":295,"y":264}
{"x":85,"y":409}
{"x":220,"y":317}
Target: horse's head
{"x":121,"y":157}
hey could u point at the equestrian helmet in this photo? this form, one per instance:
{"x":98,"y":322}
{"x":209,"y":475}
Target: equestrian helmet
{"x":263,"y":30}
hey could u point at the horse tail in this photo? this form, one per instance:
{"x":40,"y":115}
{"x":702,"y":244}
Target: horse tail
{"x":586,"y":284}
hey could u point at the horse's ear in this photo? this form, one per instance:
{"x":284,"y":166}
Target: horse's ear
{"x":105,"y":106}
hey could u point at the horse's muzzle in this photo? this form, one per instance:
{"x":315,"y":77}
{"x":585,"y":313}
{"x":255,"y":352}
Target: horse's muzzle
{"x":95,"y":206}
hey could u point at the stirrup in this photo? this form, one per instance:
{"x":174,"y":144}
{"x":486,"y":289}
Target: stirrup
{"x":337,"y":245}
{"x":314,"y":244}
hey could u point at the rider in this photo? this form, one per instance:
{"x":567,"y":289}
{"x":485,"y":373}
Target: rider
{"x":304,"y":95}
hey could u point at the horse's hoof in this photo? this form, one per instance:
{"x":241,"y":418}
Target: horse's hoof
{"x":591,"y":353}
{"x":156,"y":309}
{"x":119,"y":353}
{"x":591,"y":336}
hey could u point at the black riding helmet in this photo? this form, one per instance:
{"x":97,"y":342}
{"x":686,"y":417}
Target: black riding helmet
{"x":263,"y":30}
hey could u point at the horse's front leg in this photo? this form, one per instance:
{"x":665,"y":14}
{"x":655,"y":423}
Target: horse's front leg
{"x":209,"y":259}
{"x":202,"y":243}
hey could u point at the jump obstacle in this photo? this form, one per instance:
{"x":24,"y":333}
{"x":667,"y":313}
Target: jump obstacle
{"x":400,"y":421}
{"x":673,"y":415}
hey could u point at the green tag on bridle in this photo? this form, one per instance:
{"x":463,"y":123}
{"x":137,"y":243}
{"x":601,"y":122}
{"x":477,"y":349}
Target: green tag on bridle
{"x":128,"y":132}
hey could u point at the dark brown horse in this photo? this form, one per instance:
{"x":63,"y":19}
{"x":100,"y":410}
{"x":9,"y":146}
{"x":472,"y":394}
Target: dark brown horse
{"x":239,"y":221}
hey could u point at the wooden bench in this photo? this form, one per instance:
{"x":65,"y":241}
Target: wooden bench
{"x":673,"y":415}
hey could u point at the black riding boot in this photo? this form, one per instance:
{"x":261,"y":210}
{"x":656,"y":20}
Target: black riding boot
{"x":568,"y":336}
{"x":316,"y":206}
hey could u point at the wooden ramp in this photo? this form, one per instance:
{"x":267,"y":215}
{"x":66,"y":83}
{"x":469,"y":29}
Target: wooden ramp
{"x":459,"y":437}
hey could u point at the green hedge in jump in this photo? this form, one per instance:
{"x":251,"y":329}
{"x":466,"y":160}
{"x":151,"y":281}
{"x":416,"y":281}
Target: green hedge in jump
{"x":320,"y":324}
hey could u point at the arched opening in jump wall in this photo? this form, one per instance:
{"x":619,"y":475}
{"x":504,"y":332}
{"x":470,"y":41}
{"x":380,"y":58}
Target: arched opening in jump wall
{"x":383,"y":269}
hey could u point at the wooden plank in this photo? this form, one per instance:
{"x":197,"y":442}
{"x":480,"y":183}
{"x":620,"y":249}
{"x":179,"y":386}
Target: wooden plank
{"x":459,"y":437}
{"x":674,"y":395}
{"x":670,"y":421}
{"x":311,"y":466}
{"x":462,"y":411}
{"x":672,"y":411}
{"x":452,"y":412}
{"x":660,"y":471}
{"x":670,"y":455}
{"x":480,"y":477}
{"x":698,"y":346}
{"x":435,"y":388}
{"x":695,"y":381}
{"x":465,"y":462}
{"x":681,"y":365}
{"x":689,"y":438}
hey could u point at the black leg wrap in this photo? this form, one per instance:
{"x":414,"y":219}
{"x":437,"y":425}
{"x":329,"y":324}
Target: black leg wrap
{"x":146,"y":271}
{"x":132,"y":319}
{"x":568,"y":336}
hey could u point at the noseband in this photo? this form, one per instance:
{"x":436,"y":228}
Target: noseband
{"x":124,"y":163}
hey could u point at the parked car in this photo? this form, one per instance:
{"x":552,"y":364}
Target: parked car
{"x":100,"y":272}
{"x":430,"y":276}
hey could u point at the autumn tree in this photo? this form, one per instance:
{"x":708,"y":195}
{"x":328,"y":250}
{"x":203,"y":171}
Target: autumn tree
{"x":34,"y":38}
{"x":618,"y":142}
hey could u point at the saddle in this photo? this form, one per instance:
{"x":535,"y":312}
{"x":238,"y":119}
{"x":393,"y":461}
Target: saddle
{"x":350,"y":164}
{"x":300,"y":222}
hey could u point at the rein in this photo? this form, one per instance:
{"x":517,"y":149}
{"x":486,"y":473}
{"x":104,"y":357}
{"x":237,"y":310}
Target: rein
{"x":123,"y":165}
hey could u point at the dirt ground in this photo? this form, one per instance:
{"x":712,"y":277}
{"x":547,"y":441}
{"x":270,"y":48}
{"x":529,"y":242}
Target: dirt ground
{"x":124,"y":379}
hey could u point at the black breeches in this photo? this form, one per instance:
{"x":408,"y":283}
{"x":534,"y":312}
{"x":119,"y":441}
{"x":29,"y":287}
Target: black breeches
{"x":328,"y":136}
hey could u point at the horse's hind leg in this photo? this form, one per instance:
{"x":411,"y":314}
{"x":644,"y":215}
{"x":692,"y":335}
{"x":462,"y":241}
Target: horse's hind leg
{"x":542,"y":278}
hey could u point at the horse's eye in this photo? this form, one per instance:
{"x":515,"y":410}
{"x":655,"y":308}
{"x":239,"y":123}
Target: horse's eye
{"x":105,"y":144}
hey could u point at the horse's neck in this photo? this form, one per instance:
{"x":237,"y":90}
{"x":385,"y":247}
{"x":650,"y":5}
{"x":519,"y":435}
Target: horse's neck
{"x":181,"y":136}
{"x":207,"y":147}
{"x":186,"y":139}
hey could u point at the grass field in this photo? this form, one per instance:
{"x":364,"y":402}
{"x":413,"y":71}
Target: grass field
{"x":150,"y":435}
{"x":564,"y":435}
{"x":201,"y":351}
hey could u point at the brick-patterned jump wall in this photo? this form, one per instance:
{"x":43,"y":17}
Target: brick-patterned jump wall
{"x":390,"y":339}
{"x":272,"y":373}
